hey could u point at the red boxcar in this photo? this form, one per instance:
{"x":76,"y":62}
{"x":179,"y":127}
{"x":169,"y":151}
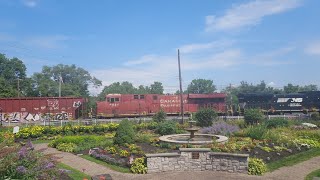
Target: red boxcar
{"x":130,"y":105}
{"x":40,"y":108}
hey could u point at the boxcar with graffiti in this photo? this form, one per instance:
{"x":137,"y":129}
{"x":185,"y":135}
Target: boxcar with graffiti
{"x":40,"y":108}
{"x":133,"y":105}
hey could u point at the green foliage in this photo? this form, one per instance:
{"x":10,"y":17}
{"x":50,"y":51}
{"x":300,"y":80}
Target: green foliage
{"x":156,"y":88}
{"x":205,"y":116}
{"x":167,"y":127}
{"x":125,"y":133}
{"x":144,"y":137}
{"x":124,"y":153}
{"x":256,"y":166}
{"x":313,"y":174}
{"x":66,"y":147}
{"x":82,"y":142}
{"x":159,"y":116}
{"x":256,"y":132}
{"x":267,"y":149}
{"x":23,"y":163}
{"x":276,"y":122}
{"x":138,"y":166}
{"x":253,"y":116}
{"x":201,"y":86}
{"x":315,"y":116}
{"x":76,"y":81}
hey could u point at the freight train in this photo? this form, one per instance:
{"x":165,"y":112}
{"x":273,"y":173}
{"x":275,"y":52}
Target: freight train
{"x":302,"y":102}
{"x":26,"y":109}
{"x":133,"y":105}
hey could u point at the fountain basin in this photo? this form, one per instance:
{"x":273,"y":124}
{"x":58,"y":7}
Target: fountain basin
{"x":197,"y":139}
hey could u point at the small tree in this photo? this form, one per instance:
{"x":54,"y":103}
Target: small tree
{"x":253,"y":116}
{"x":159,"y":116}
{"x":205,"y":116}
{"x":165,"y":128}
{"x":125,"y":133}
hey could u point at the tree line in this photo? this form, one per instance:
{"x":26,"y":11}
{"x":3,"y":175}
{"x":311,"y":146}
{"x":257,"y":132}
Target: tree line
{"x":76,"y":81}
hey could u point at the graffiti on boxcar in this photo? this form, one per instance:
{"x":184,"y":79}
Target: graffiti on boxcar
{"x":76,"y":104}
{"x":53,"y":104}
{"x":26,"y":116}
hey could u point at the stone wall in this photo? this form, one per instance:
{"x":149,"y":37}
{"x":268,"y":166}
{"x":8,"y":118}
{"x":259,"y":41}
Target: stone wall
{"x":197,"y":159}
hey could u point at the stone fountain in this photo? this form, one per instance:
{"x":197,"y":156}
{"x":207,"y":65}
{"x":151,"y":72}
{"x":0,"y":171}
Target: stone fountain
{"x":192,"y":137}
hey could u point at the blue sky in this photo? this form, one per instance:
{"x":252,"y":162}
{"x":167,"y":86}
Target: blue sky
{"x":115,"y":40}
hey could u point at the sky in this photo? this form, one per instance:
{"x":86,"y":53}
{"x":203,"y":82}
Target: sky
{"x":277,"y":41}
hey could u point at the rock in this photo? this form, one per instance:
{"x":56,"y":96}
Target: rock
{"x":278,"y":154}
{"x":289,"y":150}
{"x":268,"y":158}
{"x":79,"y":154}
{"x":256,"y":152}
{"x":298,"y":148}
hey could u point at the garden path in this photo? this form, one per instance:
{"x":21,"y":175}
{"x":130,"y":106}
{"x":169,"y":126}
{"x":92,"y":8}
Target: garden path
{"x":298,"y":171}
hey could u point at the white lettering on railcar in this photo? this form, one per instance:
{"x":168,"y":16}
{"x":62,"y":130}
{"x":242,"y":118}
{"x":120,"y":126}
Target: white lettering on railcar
{"x":292,"y":100}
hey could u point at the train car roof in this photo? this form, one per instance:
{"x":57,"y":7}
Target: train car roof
{"x":213,"y":95}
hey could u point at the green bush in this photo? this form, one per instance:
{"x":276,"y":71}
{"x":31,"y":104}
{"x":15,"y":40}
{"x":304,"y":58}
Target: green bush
{"x":125,"y":133}
{"x":315,"y":116}
{"x":253,"y":116}
{"x":277,"y":122}
{"x":159,"y":116}
{"x":66,"y":147}
{"x":256,"y":166}
{"x":256,"y":132}
{"x":138,"y":166}
{"x":167,"y":127}
{"x":205,"y":116}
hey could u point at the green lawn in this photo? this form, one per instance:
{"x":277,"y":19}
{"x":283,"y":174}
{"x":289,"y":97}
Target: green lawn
{"x":315,"y":173}
{"x":75,"y":174}
{"x":111,"y":166}
{"x":294,"y":159}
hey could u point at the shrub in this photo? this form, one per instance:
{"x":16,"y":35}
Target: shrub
{"x":66,"y":147}
{"x":220,"y":128}
{"x":277,"y":122}
{"x":315,"y":116}
{"x":138,"y":166}
{"x":256,"y":166}
{"x":256,"y":132}
{"x":125,"y":133}
{"x":143,"y":137}
{"x":205,"y":116}
{"x":159,"y":116}
{"x":167,"y":127}
{"x":124,"y":153}
{"x":253,"y":116}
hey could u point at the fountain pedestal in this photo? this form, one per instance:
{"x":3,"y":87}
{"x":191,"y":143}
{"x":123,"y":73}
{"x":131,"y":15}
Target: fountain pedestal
{"x":192,"y":129}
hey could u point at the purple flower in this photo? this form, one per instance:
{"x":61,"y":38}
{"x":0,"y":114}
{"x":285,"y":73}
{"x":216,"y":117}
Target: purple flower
{"x":220,"y":128}
{"x":49,"y":165}
{"x":22,"y":152}
{"x":21,"y":169}
{"x":30,"y":145}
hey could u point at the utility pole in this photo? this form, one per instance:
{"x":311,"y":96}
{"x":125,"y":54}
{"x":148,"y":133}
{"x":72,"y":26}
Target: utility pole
{"x":231,"y":100}
{"x":180,"y":81}
{"x":60,"y":80}
{"x":18,"y":87}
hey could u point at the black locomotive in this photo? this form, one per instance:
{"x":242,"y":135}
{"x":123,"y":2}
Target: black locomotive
{"x":302,"y":102}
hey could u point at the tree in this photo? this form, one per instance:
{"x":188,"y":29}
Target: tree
{"x":291,"y":88}
{"x":117,"y":88}
{"x":205,"y":116}
{"x":13,"y":80}
{"x":156,"y":88}
{"x":201,"y":86}
{"x":159,"y":116}
{"x":75,"y":81}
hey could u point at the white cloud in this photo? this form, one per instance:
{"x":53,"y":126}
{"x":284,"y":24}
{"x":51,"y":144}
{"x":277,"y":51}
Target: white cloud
{"x":47,"y":42}
{"x":196,"y":47}
{"x":271,"y":84}
{"x":30,"y":3}
{"x":313,"y":49}
{"x":248,"y":14}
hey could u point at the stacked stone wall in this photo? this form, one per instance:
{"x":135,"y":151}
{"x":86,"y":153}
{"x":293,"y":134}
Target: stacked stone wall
{"x":197,"y":159}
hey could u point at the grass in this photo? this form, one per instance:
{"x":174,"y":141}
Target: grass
{"x":75,"y":174}
{"x":294,"y":159}
{"x":111,"y":166}
{"x":315,"y":173}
